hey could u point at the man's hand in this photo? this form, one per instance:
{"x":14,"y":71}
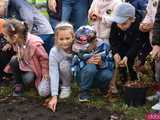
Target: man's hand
{"x":52,"y":4}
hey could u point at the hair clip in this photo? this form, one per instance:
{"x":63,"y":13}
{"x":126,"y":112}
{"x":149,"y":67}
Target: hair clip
{"x":24,"y":46}
{"x":12,"y":27}
{"x":22,"y":23}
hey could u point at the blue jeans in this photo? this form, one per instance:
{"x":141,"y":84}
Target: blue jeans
{"x":90,"y":75}
{"x":75,"y":11}
{"x":48,"y":40}
{"x":53,"y":22}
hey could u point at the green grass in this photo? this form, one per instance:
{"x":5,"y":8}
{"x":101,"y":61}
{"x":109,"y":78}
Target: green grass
{"x":130,"y":113}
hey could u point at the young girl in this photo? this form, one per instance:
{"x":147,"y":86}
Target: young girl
{"x":59,"y":63}
{"x":31,"y":61}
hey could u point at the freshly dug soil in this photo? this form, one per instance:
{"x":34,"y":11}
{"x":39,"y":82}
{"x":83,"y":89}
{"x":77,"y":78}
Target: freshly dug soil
{"x":20,"y":108}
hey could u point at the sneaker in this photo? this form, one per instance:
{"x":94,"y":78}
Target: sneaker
{"x":84,"y":97}
{"x":156,"y":107}
{"x":152,"y":97}
{"x":65,"y":92}
{"x":17,"y":90}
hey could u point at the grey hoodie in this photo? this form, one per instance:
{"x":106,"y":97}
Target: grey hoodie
{"x":22,"y":10}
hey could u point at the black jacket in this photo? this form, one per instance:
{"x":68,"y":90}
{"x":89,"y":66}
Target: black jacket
{"x":131,"y":42}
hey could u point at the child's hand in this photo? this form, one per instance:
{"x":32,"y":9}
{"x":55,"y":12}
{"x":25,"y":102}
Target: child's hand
{"x":45,"y":77}
{"x":117,"y":58}
{"x":6,"y":47}
{"x":146,"y":27}
{"x":123,"y":62}
{"x":51,"y":103}
{"x":155,"y":51}
{"x":98,"y":59}
{"x":95,"y":59}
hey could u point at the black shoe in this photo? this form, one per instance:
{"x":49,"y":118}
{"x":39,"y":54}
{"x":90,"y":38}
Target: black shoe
{"x":84,"y":97}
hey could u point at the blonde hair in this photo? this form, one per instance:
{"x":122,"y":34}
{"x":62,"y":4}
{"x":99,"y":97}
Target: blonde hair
{"x":63,"y":26}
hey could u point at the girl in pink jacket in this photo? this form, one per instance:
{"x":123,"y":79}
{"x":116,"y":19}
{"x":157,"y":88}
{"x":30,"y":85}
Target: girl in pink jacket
{"x":31,"y":61}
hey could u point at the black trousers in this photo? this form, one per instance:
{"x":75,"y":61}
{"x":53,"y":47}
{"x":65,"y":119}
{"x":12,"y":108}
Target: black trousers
{"x":4,"y":60}
{"x":22,"y":77}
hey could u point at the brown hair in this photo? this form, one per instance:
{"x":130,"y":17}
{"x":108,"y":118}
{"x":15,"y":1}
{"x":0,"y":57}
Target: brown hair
{"x":13,"y":26}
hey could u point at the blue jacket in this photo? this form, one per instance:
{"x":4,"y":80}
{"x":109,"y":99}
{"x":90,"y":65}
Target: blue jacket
{"x":79,"y":59}
{"x":22,"y":10}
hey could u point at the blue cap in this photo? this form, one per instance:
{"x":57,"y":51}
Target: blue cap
{"x":122,"y":12}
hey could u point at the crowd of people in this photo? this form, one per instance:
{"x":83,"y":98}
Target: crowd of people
{"x":81,"y":40}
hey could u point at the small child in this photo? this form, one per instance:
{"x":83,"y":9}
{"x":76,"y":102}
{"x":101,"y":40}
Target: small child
{"x":127,"y":41}
{"x":31,"y":60}
{"x":93,"y":63}
{"x":60,"y":59}
{"x":100,"y":13}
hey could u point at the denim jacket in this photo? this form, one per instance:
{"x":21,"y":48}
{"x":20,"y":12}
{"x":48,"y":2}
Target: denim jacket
{"x":79,"y":59}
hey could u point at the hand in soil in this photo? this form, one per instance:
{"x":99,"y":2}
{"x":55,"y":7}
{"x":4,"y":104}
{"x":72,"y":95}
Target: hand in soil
{"x":51,"y":103}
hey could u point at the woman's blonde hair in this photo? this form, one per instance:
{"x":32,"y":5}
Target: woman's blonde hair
{"x":63,"y":26}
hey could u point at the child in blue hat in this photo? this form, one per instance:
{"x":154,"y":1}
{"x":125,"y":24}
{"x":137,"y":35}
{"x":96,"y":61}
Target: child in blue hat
{"x":92,"y":63}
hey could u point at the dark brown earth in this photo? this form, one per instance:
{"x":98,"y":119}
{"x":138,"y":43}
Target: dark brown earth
{"x":20,"y":108}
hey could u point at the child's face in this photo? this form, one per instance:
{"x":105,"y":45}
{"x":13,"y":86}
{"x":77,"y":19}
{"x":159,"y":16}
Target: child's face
{"x":65,"y":39}
{"x":124,"y":26}
{"x":2,"y":8}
